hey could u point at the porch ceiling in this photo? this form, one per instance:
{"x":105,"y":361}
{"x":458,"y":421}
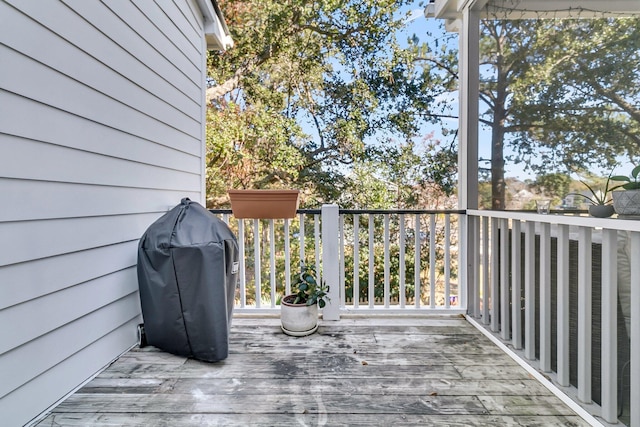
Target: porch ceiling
{"x":522,"y":9}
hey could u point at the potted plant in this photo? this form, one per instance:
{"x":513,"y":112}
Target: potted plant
{"x":299,"y":310}
{"x":600,"y":200}
{"x":627,"y":201}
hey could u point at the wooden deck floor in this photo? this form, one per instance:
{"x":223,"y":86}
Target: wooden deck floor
{"x":356,"y":372}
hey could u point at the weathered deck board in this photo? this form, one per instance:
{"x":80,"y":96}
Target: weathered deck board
{"x":356,"y":372}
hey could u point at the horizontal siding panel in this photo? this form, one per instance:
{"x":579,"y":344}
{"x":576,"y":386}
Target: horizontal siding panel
{"x":58,"y":127}
{"x":133,"y":32}
{"x":27,"y":240}
{"x":156,"y":15}
{"x":67,"y":94}
{"x":35,"y":160}
{"x":36,"y":200}
{"x":55,"y":52}
{"x":72,"y":27}
{"x":29,"y":280}
{"x":184,"y":26}
{"x":191,"y":12}
{"x":139,"y":23}
{"x":36,"y":396}
{"x":60,"y":308}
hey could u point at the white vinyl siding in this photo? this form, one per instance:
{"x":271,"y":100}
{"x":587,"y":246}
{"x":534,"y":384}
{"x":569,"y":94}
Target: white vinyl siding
{"x":101,"y":132}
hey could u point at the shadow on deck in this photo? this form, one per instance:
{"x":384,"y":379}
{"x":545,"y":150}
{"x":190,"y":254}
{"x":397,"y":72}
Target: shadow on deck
{"x":356,"y":372}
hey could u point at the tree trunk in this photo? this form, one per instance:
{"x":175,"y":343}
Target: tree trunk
{"x":498,"y":186}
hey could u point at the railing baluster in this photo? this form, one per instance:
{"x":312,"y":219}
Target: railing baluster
{"x":343,"y":298}
{"x":371,"y":295}
{"x":257,"y":261}
{"x":485,"y":269}
{"x":530,"y":290}
{"x":402,"y":265}
{"x":584,"y":314}
{"x":464,"y":284}
{"x":516,"y":285}
{"x":609,"y":334}
{"x":416,"y":269}
{"x":316,"y":235}
{"x":272,"y":263}
{"x":387,"y":286}
{"x":432,"y":260}
{"x":241,"y":264}
{"x":356,"y":261}
{"x":495,"y":282}
{"x":447,"y":260}
{"x":635,"y":329}
{"x":287,"y":258}
{"x":545,"y":297}
{"x":563,"y":306}
{"x":504,"y":279}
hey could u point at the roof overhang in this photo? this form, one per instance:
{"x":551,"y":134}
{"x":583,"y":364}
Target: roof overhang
{"x":215,"y":28}
{"x":528,"y":9}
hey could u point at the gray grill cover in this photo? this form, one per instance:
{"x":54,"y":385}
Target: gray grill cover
{"x":187,"y":271}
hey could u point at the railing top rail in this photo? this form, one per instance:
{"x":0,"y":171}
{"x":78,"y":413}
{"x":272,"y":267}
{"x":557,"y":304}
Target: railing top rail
{"x":365,"y":211}
{"x":585,"y":221}
{"x":401,"y":211}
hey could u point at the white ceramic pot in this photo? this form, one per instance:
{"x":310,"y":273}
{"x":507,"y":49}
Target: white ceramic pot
{"x":626,"y":202}
{"x":298,"y":320}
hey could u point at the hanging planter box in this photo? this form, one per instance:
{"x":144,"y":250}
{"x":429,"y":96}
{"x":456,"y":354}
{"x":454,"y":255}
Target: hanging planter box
{"x":264,"y":204}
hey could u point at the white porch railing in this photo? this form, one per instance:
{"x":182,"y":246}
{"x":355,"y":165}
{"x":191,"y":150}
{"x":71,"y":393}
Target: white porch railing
{"x":551,"y":287}
{"x":548,"y":286}
{"x":372,"y":255}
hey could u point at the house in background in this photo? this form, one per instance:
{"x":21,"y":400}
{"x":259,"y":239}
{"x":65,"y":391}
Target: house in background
{"x":102,"y":124}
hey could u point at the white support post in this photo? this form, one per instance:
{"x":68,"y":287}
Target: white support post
{"x":530,"y":290}
{"x":545,"y":297}
{"x":516,"y":285}
{"x":635,"y":331}
{"x":330,"y":260}
{"x":469,"y":66}
{"x":609,"y":349}
{"x":584,"y":314}
{"x":563,"y":306}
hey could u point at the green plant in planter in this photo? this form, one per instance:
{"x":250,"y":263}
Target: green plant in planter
{"x":631,"y":182}
{"x":306,"y":288}
{"x":599,"y":197}
{"x":627,"y":201}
